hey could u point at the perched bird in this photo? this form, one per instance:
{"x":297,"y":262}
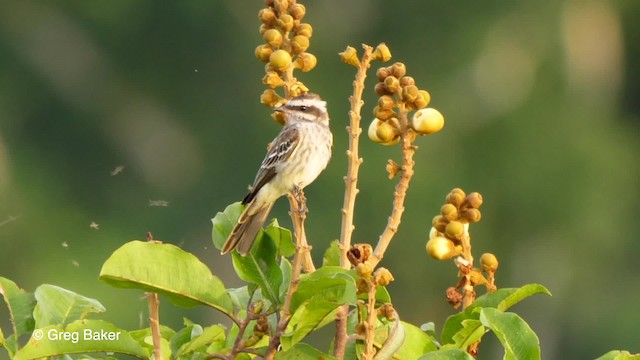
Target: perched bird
{"x":295,"y":158}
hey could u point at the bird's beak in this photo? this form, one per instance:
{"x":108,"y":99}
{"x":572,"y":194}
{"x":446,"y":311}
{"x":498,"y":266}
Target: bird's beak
{"x":279,"y":109}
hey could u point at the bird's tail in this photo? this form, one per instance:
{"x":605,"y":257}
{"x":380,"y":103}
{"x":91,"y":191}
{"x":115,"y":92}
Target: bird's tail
{"x":244,"y":233}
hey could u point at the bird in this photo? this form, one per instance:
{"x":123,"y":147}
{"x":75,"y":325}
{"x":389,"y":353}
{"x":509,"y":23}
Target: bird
{"x":294,"y":159}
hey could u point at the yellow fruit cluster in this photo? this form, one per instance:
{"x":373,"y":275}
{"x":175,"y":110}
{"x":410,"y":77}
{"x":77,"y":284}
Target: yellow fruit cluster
{"x":286,"y":40}
{"x":397,"y":90}
{"x":449,"y":227}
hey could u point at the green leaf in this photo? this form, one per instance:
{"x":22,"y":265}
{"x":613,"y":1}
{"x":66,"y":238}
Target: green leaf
{"x":282,"y":238}
{"x":239,"y":297}
{"x":472,"y":331}
{"x":448,"y":354}
{"x":211,"y":334}
{"x":144,"y":338}
{"x":224,"y":222}
{"x":619,"y":355}
{"x":517,"y":338}
{"x":166,"y":269}
{"x":303,"y":351}
{"x":332,"y":254}
{"x":260,"y":267}
{"x":502,"y":298}
{"x":83,"y":336}
{"x":314,"y":303}
{"x":416,"y":343}
{"x":329,"y":282}
{"x":286,"y":268}
{"x":20,"y":304}
{"x":60,"y":306}
{"x":521,"y":294}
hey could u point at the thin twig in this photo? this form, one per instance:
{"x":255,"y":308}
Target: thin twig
{"x":298,"y":215}
{"x":351,"y":190}
{"x":154,"y":323}
{"x":242,"y":327}
{"x":354,"y":160}
{"x":370,"y":325}
{"x":408,"y":150}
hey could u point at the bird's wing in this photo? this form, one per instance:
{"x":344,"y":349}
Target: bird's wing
{"x":281,"y":149}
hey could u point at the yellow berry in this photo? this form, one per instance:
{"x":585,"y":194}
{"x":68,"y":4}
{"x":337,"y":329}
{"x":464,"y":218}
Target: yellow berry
{"x":280,"y":60}
{"x":449,"y":212}
{"x":350,"y":56}
{"x":387,"y":132}
{"x":454,"y":230}
{"x":427,"y":121}
{"x":386,"y":102}
{"x":270,"y":98}
{"x":441,"y":248}
{"x":263,"y":52}
{"x":267,"y":16}
{"x":384,"y":113}
{"x":382,"y":73}
{"x":489,"y":262}
{"x":381,"y":53}
{"x":410,"y":93}
{"x":306,"y":62}
{"x":373,"y":130}
{"x":392,"y":84}
{"x":304,"y":29}
{"x":439,"y":222}
{"x":407,"y":80}
{"x":286,"y":22}
{"x":272,"y":37}
{"x":471,"y":215}
{"x":473,"y":200}
{"x":456,"y":197}
{"x":299,"y":44}
{"x":381,"y":89}
{"x":297,"y":11}
{"x":398,"y":69}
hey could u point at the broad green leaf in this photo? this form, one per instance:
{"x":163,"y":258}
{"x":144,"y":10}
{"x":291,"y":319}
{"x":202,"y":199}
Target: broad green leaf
{"x":521,"y":294}
{"x":180,"y":338}
{"x":303,"y":351}
{"x":260,"y":267}
{"x":281,"y":237}
{"x":60,"y":306}
{"x":314,"y":303}
{"x":20,"y":304}
{"x":286,"y":268}
{"x":332,"y":254}
{"x":83,"y":336}
{"x":502,"y":298}
{"x":1,"y":338}
{"x":517,"y":338}
{"x":335,"y":287}
{"x":472,"y":331}
{"x":309,"y":316}
{"x":619,"y":355}
{"x":416,"y":342}
{"x":211,"y":334}
{"x":166,"y":269}
{"x":144,"y":338}
{"x":448,"y":354}
{"x":239,"y":297}
{"x":224,"y":222}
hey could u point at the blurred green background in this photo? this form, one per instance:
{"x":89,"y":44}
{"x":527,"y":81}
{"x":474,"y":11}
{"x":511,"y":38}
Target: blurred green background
{"x":541,"y":101}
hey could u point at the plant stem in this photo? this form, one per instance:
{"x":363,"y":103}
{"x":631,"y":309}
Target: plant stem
{"x":298,"y":215}
{"x":351,"y":190}
{"x":408,"y":150}
{"x":154,"y":323}
{"x":370,"y":325}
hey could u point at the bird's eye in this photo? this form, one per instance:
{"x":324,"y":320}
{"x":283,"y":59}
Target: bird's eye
{"x":303,"y":108}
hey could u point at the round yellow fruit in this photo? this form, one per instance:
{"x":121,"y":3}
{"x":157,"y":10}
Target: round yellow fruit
{"x":427,"y":121}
